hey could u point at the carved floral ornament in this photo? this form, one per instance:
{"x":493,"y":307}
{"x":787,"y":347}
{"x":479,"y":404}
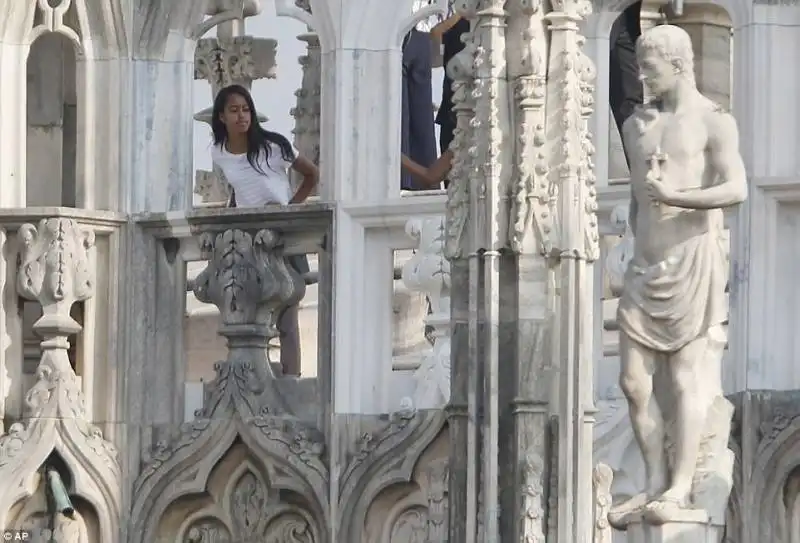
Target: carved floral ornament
{"x":247,"y":277}
{"x":252,"y":512}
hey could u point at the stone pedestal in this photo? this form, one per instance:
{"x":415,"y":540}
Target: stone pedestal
{"x":687,"y":531}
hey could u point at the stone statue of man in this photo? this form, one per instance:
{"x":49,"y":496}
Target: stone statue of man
{"x":685,"y":169}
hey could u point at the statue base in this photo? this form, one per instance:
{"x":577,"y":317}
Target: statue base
{"x":687,"y":531}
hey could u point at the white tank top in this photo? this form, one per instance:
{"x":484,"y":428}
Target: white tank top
{"x":253,"y":188}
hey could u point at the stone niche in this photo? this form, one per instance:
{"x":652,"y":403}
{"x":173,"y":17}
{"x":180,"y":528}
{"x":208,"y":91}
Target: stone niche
{"x":417,"y":510}
{"x":35,"y":515}
{"x":52,"y":121}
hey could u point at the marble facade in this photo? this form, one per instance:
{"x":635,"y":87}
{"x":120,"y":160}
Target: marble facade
{"x":95,"y":351}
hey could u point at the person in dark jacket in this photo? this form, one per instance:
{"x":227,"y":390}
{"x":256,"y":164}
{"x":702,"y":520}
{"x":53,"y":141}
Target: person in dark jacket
{"x":625,"y":88}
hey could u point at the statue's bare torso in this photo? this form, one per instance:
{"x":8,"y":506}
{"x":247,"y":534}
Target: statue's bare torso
{"x":683,"y":138}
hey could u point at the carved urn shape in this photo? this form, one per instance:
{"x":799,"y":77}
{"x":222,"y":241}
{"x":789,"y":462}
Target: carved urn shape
{"x":249,"y":279}
{"x":54,"y":270}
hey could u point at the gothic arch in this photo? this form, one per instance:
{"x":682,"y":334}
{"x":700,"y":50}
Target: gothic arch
{"x":92,"y":465}
{"x":183,"y":469}
{"x":777,"y":456}
{"x":367,"y":476}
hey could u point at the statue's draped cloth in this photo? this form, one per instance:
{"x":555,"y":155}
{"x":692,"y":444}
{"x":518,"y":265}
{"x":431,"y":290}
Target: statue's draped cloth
{"x":667,"y":305}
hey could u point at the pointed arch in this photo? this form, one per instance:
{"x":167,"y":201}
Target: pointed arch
{"x":95,"y":478}
{"x":777,"y":455}
{"x":369,"y":475}
{"x":184,"y":469}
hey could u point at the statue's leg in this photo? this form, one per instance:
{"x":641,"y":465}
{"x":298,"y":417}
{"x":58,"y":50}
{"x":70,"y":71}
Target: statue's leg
{"x":638,"y":365}
{"x":636,"y":379}
{"x":694,"y":390}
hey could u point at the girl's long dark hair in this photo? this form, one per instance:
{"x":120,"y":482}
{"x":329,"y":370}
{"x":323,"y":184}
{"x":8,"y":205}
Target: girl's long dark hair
{"x":258,"y":139}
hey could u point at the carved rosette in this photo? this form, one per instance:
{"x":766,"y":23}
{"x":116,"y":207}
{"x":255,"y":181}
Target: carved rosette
{"x":428,"y":271}
{"x":56,"y":271}
{"x":239,"y":60}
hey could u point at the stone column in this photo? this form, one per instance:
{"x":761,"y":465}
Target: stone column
{"x":651,"y":15}
{"x":769,"y":129}
{"x":709,"y":26}
{"x":526,"y":323}
{"x":360,"y":109}
{"x":14,"y":48}
{"x":571,"y":75}
{"x":161,"y":130}
{"x":307,"y":111}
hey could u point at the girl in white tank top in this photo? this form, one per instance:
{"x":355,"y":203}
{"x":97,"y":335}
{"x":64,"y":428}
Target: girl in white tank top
{"x":256,"y":163}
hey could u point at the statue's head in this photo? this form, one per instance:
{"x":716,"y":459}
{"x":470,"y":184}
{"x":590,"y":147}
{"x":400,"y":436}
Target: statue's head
{"x":665,"y":58}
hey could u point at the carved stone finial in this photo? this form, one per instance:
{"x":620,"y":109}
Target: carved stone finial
{"x":239,"y":60}
{"x":247,"y":277}
{"x":55,"y":271}
{"x":250,"y":281}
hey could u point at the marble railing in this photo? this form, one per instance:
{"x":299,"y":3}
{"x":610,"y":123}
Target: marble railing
{"x":293,"y":231}
{"x":83,"y":245}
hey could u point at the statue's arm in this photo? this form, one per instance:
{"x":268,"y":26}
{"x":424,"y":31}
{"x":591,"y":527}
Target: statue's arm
{"x":633,"y":210}
{"x":723,"y":152}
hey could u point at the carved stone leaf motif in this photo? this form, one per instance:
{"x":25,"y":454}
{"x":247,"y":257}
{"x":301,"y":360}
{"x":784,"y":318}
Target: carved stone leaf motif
{"x":12,"y":443}
{"x":255,"y":514}
{"x":239,"y":60}
{"x":54,"y":268}
{"x":533,"y":513}
{"x":438,"y":475}
{"x":462,"y":70}
{"x":602,"y":478}
{"x":211,"y":186}
{"x":248,"y":501}
{"x":289,"y":528}
{"x":247,"y":277}
{"x":370,"y":441}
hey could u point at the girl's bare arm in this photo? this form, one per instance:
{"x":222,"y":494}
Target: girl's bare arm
{"x":310,"y":174}
{"x":434,"y":175}
{"x":438,"y":31}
